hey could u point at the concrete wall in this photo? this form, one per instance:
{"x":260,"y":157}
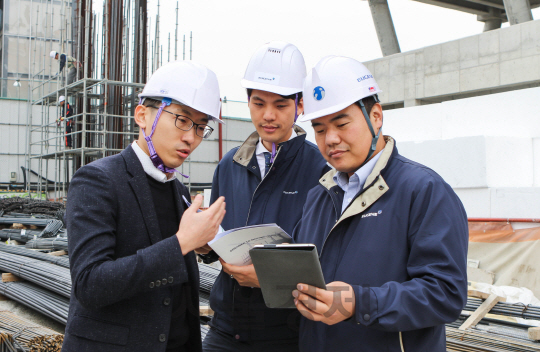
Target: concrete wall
{"x":487,"y":148}
{"x":494,"y":61}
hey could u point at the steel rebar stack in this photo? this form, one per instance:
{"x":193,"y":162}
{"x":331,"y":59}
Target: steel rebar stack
{"x":47,"y":275}
{"x":21,"y":250}
{"x":47,"y":303}
{"x":28,"y":336}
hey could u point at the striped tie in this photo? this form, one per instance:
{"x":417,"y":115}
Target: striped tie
{"x":267,"y":163}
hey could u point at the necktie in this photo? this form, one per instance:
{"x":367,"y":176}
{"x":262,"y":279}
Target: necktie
{"x":267,"y":164}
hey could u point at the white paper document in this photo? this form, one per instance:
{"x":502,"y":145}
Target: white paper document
{"x":233,"y":246}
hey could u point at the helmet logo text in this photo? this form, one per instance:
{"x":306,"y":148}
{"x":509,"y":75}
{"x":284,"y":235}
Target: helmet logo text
{"x":363,"y":78}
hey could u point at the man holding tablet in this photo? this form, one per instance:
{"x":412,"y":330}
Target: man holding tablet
{"x":265,"y":180}
{"x":392,"y":236}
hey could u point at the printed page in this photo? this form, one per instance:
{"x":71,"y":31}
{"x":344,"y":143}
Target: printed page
{"x":233,"y":246}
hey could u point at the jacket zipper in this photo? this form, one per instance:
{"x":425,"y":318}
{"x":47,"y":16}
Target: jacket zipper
{"x":362,"y":191}
{"x":335,"y":208}
{"x":253,"y":196}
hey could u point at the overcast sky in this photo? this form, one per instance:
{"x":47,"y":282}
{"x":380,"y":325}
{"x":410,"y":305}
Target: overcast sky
{"x":226,"y":33}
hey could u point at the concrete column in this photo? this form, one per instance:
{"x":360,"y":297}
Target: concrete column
{"x":494,"y":20}
{"x":518,"y":11}
{"x":384,"y":27}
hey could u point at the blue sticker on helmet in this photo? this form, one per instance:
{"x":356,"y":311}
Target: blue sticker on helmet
{"x":318,"y":93}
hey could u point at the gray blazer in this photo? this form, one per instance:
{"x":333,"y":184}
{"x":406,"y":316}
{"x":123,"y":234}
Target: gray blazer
{"x":123,"y":273}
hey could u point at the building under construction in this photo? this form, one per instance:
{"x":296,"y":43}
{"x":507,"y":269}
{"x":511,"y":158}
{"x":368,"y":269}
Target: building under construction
{"x":114,"y":55}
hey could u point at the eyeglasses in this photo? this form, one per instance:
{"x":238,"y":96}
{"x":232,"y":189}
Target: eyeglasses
{"x":184,"y":123}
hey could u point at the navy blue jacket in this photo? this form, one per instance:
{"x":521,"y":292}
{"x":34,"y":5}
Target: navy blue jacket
{"x":124,"y":271}
{"x":402,"y":245}
{"x":278,"y":198}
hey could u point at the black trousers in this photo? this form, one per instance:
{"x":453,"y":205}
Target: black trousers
{"x":216,"y":341}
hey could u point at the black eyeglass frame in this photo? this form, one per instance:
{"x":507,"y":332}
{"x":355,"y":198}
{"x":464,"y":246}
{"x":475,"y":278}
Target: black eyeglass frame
{"x":193,"y":123}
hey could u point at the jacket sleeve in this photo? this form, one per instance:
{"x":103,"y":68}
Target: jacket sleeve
{"x":62,"y":61}
{"x":69,"y":111}
{"x":212,"y":256}
{"x":436,"y":290}
{"x":99,"y":278}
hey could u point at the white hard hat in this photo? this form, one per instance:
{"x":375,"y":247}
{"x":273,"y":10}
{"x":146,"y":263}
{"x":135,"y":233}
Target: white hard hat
{"x":187,"y":83}
{"x":276,"y":67}
{"x":53,"y":54}
{"x":61,"y":99}
{"x":335,"y":83}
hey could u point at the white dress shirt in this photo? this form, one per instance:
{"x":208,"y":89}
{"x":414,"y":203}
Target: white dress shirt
{"x":261,"y":149}
{"x":351,"y":185}
{"x":149,"y":167}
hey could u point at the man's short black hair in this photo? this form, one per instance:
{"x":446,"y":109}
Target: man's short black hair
{"x":151,"y":102}
{"x":292,"y":96}
{"x":369,"y":102}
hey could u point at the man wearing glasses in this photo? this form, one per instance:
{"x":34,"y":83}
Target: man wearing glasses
{"x":131,"y":235}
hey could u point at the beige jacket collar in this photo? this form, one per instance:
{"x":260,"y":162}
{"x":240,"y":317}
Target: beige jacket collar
{"x":373,"y":192}
{"x":244,"y":154}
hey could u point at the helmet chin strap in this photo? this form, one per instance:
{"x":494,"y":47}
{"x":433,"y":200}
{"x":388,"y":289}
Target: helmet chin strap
{"x":375,"y":137}
{"x":156,"y":160}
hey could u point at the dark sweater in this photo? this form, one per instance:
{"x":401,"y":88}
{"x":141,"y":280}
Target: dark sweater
{"x":164,"y":203}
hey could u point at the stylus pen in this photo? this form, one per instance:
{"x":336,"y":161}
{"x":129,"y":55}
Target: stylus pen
{"x":198,"y":211}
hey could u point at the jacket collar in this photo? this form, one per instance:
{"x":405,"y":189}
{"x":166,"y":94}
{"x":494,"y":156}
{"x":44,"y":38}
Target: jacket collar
{"x":245,"y":153}
{"x":376,"y":184}
{"x":139,"y":185}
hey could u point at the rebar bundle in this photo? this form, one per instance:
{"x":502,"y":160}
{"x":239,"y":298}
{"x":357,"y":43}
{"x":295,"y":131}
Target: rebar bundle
{"x":474,"y":340}
{"x":47,"y":275}
{"x":6,"y":342}
{"x":47,"y":303}
{"x":204,"y":331}
{"x":517,"y":310}
{"x":55,"y":244}
{"x":21,"y":250}
{"x":18,"y":235}
{"x":208,"y":275}
{"x":51,"y":229}
{"x":204,"y":299}
{"x":30,"y":206}
{"x":28,"y":336}
{"x":24,"y":221}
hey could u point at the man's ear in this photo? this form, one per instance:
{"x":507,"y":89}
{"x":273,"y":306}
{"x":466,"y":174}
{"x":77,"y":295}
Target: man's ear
{"x":300,"y":106}
{"x":376,"y":116}
{"x":140,"y":116}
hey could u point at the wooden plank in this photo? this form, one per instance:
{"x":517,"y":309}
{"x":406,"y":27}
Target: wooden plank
{"x":205,"y":311}
{"x":534,"y":334}
{"x":18,"y":226}
{"x":58,"y":253}
{"x":481,"y":311}
{"x":8,"y":277}
{"x":477,"y":294}
{"x":4,"y":298}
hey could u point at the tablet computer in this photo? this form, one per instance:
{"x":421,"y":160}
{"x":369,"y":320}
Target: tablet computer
{"x":280,"y":267}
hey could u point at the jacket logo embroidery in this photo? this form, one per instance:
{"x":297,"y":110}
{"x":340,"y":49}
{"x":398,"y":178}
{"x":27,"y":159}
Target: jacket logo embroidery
{"x":371,"y":214}
{"x":285,"y":192}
